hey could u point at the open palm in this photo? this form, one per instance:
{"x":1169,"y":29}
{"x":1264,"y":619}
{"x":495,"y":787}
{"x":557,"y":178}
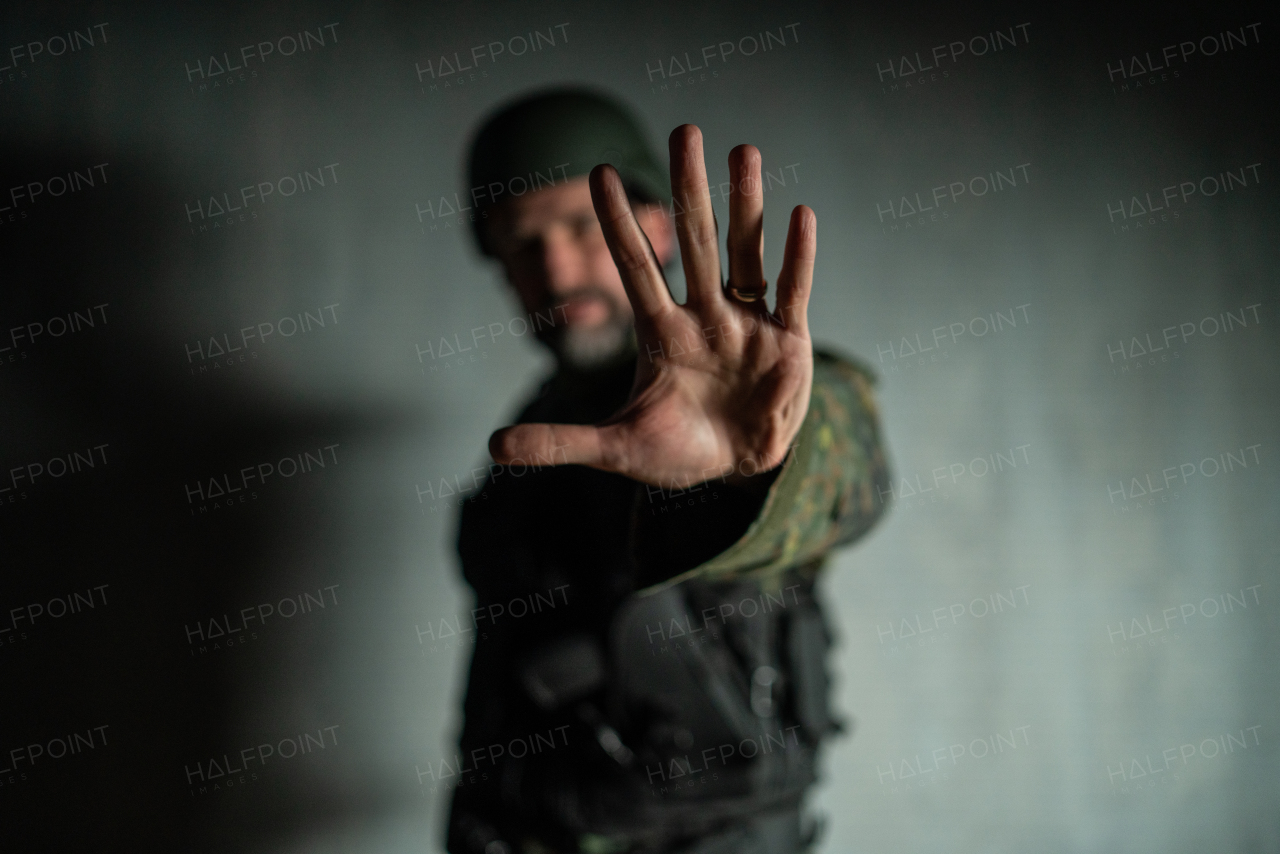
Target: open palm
{"x":722,"y":383}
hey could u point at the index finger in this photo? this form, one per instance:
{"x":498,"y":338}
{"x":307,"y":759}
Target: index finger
{"x":630,"y":248}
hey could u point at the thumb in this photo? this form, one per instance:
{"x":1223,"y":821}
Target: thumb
{"x":547,"y":445}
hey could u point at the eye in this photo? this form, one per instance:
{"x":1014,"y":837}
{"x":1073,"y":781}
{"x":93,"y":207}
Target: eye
{"x":528,"y":250}
{"x":585,"y":225}
{"x":517,"y":244}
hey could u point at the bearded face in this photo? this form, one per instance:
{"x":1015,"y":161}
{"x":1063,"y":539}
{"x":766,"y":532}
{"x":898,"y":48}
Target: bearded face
{"x":554,"y":254}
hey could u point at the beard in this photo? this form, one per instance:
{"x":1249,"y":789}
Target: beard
{"x":586,"y":349}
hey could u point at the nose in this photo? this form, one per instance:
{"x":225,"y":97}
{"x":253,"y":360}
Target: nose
{"x":563,"y":264}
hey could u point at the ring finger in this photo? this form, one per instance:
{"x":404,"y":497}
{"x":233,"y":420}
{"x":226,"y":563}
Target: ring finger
{"x":746,"y":224}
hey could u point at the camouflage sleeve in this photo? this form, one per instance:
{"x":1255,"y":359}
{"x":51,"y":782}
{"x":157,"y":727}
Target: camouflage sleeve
{"x":830,"y":490}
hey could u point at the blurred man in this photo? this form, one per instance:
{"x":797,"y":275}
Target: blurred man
{"x":648,"y":674}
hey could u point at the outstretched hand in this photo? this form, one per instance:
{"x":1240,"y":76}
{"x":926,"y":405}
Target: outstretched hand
{"x":722,"y":383}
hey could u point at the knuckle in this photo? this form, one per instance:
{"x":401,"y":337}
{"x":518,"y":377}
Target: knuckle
{"x":700,"y":232}
{"x":632,"y":258}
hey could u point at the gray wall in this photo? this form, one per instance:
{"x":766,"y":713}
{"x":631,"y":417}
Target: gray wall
{"x":1027,"y":584}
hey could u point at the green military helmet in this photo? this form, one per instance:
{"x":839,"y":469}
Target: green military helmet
{"x":547,"y":138}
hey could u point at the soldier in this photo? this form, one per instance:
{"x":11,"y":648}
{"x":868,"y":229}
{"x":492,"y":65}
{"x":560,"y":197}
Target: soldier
{"x":649,"y":668}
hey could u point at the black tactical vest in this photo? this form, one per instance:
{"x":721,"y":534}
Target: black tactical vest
{"x":702,"y":705}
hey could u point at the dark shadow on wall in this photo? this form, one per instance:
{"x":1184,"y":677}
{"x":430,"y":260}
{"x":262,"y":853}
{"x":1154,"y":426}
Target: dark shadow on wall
{"x":104,"y":435}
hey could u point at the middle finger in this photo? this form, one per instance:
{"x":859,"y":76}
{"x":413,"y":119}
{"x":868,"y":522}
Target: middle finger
{"x":695,"y":223}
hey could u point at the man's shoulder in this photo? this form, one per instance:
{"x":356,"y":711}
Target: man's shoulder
{"x":831,"y":364}
{"x":569,"y":397}
{"x":536,"y":406}
{"x":844,"y":382}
